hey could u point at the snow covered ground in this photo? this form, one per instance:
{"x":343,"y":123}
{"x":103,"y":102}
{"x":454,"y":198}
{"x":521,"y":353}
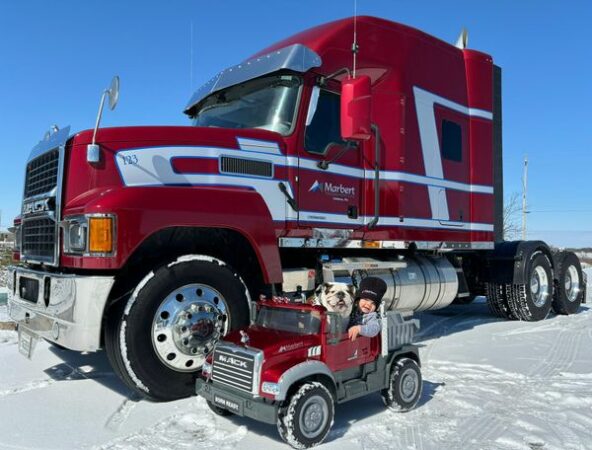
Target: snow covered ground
{"x":488,"y":383}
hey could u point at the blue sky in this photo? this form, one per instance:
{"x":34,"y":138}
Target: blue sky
{"x":57,"y":57}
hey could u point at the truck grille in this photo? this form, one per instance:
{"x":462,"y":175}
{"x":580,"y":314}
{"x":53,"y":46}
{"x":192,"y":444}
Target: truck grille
{"x":38,"y":238}
{"x":42,"y":174}
{"x":234,"y":367}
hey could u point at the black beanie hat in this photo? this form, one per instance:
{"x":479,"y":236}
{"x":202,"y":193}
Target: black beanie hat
{"x":372,"y":288}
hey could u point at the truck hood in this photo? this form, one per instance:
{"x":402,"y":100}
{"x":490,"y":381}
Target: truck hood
{"x":174,"y":135}
{"x":274,"y":342}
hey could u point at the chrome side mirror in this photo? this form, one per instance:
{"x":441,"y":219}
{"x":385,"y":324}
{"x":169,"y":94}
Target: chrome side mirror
{"x":93,"y":151}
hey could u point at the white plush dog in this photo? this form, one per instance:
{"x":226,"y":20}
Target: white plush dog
{"x":336,"y":297}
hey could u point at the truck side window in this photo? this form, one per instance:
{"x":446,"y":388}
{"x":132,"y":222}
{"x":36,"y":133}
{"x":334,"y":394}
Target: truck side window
{"x":325,"y":126}
{"x":451,"y":141}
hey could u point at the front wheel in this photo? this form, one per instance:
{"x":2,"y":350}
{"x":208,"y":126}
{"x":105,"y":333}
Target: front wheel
{"x":307,"y":418}
{"x":405,"y":386}
{"x":159,"y":339}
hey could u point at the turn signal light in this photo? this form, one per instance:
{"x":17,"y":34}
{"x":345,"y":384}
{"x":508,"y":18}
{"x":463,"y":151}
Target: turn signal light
{"x":101,"y":234}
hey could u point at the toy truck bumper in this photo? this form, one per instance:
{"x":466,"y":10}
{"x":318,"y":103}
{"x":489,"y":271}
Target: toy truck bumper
{"x":63,"y":308}
{"x":237,"y":403}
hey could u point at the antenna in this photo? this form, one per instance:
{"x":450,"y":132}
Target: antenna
{"x":524,"y":186}
{"x":355,"y":43}
{"x":191,"y":57}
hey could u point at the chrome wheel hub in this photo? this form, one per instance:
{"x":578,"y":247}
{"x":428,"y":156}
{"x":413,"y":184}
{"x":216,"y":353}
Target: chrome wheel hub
{"x":539,"y":286}
{"x":313,"y":416}
{"x":409,"y":385}
{"x":187,"y":324}
{"x":572,"y":283}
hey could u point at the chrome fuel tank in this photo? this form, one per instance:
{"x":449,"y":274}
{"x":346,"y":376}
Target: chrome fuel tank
{"x":414,"y":283}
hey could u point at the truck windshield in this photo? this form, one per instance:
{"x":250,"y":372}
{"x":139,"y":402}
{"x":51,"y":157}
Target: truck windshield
{"x":300,"y":321}
{"x":268,"y":103}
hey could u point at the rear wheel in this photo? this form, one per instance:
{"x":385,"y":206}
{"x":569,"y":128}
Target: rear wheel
{"x":159,"y":338}
{"x":497,"y":301}
{"x":532,"y":301}
{"x":405,"y":386}
{"x":569,"y":278}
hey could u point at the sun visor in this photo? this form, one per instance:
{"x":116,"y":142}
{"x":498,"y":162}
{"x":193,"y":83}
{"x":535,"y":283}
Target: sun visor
{"x":296,"y":57}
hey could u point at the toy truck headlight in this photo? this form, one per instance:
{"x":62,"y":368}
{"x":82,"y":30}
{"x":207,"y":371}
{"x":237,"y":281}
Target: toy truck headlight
{"x":206,"y":369}
{"x":270,"y":388}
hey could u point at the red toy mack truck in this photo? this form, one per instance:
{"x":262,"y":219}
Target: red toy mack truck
{"x":293,"y":363}
{"x":296,"y":169}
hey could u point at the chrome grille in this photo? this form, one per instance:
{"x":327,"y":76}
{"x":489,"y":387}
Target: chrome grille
{"x":243,"y":166}
{"x":42,"y":174}
{"x":233,"y":368}
{"x":38,"y":239}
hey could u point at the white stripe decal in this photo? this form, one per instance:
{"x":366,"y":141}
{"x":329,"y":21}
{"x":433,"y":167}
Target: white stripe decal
{"x":152,"y":166}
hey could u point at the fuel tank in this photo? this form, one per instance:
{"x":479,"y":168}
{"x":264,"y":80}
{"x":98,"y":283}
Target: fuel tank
{"x":414,"y":283}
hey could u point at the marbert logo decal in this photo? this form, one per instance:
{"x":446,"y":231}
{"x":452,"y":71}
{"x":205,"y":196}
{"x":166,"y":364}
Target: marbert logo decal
{"x":332,"y":189}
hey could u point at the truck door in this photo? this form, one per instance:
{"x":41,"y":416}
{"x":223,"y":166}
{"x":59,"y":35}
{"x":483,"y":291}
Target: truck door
{"x":330,"y":175}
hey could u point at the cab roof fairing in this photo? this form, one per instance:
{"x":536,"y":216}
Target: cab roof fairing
{"x":295,"y":57}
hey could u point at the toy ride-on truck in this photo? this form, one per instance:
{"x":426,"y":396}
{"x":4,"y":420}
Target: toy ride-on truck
{"x":294,"y":362}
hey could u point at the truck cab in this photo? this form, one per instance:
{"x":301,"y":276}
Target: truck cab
{"x":298,"y":359}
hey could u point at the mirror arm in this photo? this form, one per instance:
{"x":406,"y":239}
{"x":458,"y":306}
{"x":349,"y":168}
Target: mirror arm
{"x":101,"y":105}
{"x":324,"y":164}
{"x":323,"y":79}
{"x":376,"y":132}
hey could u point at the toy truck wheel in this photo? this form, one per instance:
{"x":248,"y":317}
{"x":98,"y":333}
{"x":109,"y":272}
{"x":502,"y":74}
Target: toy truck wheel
{"x":405,"y":386}
{"x":158,"y":340}
{"x":306,"y":419}
{"x":218,"y":411}
{"x":532,"y":300}
{"x":569,"y":291}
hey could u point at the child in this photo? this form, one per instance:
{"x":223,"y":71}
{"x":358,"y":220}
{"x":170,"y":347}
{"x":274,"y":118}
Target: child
{"x":364,"y":319}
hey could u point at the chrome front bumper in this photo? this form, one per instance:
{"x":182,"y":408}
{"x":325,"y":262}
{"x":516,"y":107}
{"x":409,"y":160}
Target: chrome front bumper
{"x":67,"y":309}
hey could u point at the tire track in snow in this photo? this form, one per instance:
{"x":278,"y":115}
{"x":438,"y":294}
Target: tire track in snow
{"x":561,"y":356}
{"x":121,"y":414}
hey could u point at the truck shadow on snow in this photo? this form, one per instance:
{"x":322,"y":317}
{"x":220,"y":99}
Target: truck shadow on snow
{"x":87,"y":366}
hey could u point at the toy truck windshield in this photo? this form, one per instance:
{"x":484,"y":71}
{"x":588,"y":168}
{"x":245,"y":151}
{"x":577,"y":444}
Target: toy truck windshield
{"x":298,"y":321}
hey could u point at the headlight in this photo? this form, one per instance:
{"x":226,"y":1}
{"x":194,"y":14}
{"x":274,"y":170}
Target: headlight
{"x":77,"y":237}
{"x":270,"y":388}
{"x":89,"y":235}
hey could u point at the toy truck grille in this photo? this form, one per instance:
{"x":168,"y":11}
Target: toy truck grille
{"x":235,"y":367}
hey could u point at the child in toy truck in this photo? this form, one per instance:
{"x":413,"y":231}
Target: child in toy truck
{"x":364,"y":320}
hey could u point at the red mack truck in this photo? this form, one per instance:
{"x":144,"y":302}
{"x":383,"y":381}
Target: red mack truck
{"x":298,"y":168}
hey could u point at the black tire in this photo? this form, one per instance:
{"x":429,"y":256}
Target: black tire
{"x":497,"y":301}
{"x":532,"y":301}
{"x":297,"y":420}
{"x":569,"y":282}
{"x":130,"y":332}
{"x":405,"y":386}
{"x":218,"y":411}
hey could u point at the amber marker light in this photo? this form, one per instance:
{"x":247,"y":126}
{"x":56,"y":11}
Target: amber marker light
{"x":100,"y":234}
{"x":371,"y":244}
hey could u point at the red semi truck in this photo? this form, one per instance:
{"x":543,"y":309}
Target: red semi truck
{"x":152,"y":242}
{"x":295,"y":362}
